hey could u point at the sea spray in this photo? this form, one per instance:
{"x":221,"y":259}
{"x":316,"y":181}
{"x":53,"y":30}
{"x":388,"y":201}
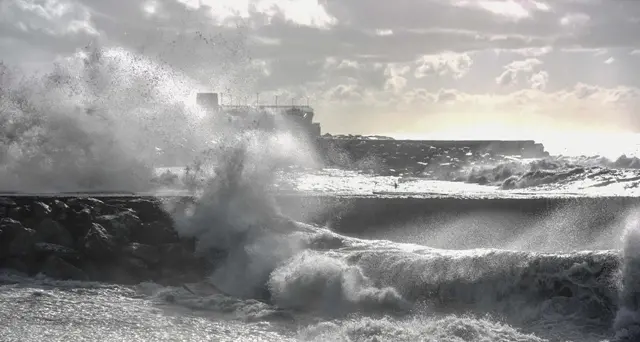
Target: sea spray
{"x":101,"y":120}
{"x":627,"y":321}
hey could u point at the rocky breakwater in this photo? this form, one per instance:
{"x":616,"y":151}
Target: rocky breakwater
{"x":122,"y":241}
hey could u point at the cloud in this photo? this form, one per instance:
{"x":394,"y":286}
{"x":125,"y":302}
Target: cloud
{"x":575,"y":20}
{"x":372,"y":59}
{"x":527,"y":69}
{"x":452,"y":64}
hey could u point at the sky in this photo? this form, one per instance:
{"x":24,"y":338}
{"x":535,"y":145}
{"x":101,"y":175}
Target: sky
{"x":408,"y":68}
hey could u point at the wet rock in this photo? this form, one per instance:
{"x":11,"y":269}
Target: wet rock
{"x":43,"y":248}
{"x":51,"y":231}
{"x":40,"y":211}
{"x":132,"y":270}
{"x":78,"y":222}
{"x":154,"y":233}
{"x":120,"y":225}
{"x":149,"y":211}
{"x":16,"y":239}
{"x":5,"y":206}
{"x":57,"y":268}
{"x":96,"y":206}
{"x":175,"y":255}
{"x":19,"y":213}
{"x":98,"y":244}
{"x":60,"y":211}
{"x":151,"y":255}
{"x":16,"y":264}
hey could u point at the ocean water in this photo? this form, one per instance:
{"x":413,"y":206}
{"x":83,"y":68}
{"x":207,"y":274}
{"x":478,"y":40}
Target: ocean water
{"x":102,"y":128}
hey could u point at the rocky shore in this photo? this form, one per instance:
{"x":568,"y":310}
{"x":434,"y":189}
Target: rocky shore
{"x":123,"y":241}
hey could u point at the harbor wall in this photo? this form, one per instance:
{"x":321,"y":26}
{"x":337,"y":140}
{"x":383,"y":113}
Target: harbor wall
{"x":413,"y":155}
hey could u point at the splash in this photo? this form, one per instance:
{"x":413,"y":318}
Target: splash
{"x":627,"y":322}
{"x":100,"y":121}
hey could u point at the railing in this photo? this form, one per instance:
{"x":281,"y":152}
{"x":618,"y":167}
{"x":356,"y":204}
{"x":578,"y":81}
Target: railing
{"x":267,"y":106}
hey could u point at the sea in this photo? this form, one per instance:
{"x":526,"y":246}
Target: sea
{"x":323,"y":285}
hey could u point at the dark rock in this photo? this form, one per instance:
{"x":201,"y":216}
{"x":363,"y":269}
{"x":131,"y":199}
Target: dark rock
{"x":5,"y":206}
{"x":16,"y":239}
{"x":120,"y":225}
{"x":60,"y":211}
{"x":154,"y":233}
{"x":19,"y":213}
{"x":99,"y":244}
{"x":8,"y":202}
{"x":151,"y":255}
{"x":52,"y":232}
{"x":149,"y":211}
{"x":130,"y":270}
{"x":10,"y":227}
{"x":57,"y":268}
{"x":96,"y":206}
{"x":16,"y":264}
{"x":40,"y":211}
{"x":78,"y":222}
{"x":175,"y":255}
{"x":62,"y":252}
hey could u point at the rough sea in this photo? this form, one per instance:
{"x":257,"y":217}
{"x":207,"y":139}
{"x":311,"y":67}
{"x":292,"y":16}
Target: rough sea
{"x":87,"y":134}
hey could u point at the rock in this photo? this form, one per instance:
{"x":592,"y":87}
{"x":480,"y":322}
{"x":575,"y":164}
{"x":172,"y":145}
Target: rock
{"x":60,"y":211}
{"x":10,"y":227}
{"x":19,"y":213}
{"x":149,"y":211}
{"x":5,"y":206}
{"x":154,"y":233}
{"x":57,"y":250}
{"x":52,"y":232}
{"x":57,"y":268}
{"x":22,"y":244}
{"x":15,"y":239}
{"x":120,"y":225}
{"x":175,"y":255}
{"x":129,"y":270}
{"x":16,"y":264}
{"x":40,"y":211}
{"x":151,"y":255}
{"x":96,"y":206}
{"x":79,"y":222}
{"x":98,"y":244}
{"x":8,"y":202}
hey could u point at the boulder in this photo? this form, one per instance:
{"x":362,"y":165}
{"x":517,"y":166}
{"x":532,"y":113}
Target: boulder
{"x":40,"y":211}
{"x":78,"y":222}
{"x":154,"y":233}
{"x":19,"y":213}
{"x":62,"y":252}
{"x":5,"y":206}
{"x":16,"y":264}
{"x":57,"y":268}
{"x":120,"y":225}
{"x":53,"y":232}
{"x":60,"y":211}
{"x":98,"y":244}
{"x":16,"y":240}
{"x":149,"y":211}
{"x":151,"y":255}
{"x":175,"y":255}
{"x":96,"y":206}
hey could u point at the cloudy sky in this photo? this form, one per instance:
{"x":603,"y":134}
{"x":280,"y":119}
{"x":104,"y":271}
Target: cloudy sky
{"x":407,"y":67}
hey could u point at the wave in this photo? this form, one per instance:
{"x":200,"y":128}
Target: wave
{"x":511,"y":173}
